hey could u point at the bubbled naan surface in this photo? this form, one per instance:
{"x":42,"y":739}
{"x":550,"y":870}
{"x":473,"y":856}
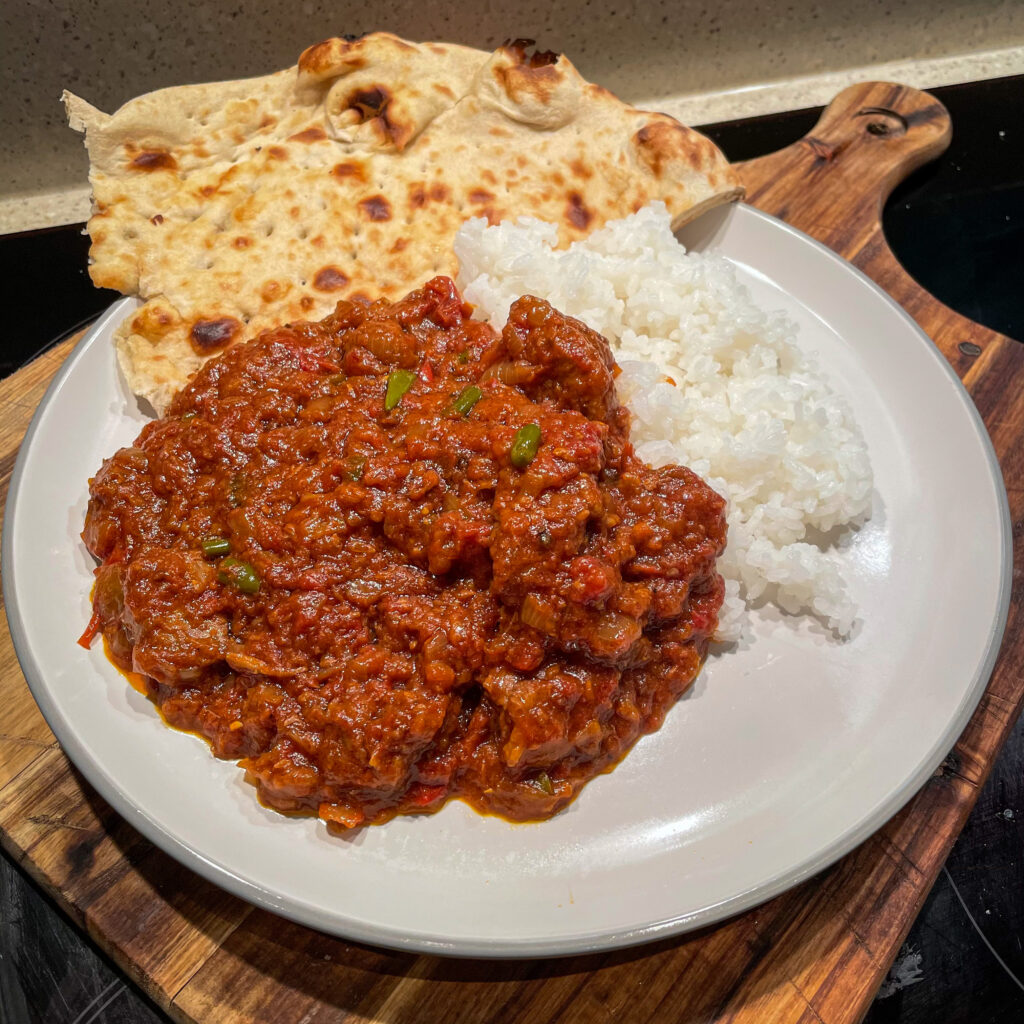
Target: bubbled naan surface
{"x":232,"y":207}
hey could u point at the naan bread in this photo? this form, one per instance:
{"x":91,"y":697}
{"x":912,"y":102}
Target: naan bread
{"x":236,"y":206}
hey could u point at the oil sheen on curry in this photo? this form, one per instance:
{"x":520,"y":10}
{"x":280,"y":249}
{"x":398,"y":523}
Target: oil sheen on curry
{"x":394,"y":557}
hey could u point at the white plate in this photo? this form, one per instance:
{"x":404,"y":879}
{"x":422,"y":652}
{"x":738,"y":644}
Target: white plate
{"x":787,"y":753}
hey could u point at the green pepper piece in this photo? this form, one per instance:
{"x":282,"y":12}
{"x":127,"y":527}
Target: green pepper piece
{"x":358,"y":464}
{"x":398,"y":383}
{"x":214,"y":546}
{"x":544,"y":781}
{"x":468,"y":397}
{"x":525,"y":445}
{"x":462,"y":357}
{"x":239,"y":574}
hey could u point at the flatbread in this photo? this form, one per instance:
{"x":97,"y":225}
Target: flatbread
{"x":232,"y":207}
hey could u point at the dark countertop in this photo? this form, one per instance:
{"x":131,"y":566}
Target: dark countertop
{"x":957,"y":225}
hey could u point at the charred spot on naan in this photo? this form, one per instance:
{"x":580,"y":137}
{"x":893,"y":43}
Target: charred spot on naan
{"x":420,"y":194}
{"x":521,"y":81}
{"x":209,"y":336}
{"x":662,"y":143}
{"x":349,"y":169}
{"x":330,"y":279}
{"x":149,"y":159}
{"x":331,"y":57}
{"x":370,"y":103}
{"x":274,"y":290}
{"x":312,"y":134}
{"x":373,"y":105}
{"x":544,"y":93}
{"x":576,"y":212}
{"x":154,"y":321}
{"x":538,"y":59}
{"x":533,"y":77}
{"x":580,"y":169}
{"x":376,"y":208}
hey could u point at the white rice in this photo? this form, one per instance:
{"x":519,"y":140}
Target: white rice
{"x":749,"y":411}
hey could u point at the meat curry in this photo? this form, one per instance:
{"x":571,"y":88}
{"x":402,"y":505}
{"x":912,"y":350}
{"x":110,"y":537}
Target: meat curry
{"x":395,"y":557}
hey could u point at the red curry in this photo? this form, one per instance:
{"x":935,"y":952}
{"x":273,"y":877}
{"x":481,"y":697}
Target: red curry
{"x":393,"y":557}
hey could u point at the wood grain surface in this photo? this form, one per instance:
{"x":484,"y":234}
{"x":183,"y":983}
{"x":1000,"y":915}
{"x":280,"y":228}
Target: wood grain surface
{"x":815,"y":954}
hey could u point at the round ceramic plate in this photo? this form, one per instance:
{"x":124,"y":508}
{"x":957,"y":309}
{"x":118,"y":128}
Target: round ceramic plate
{"x":787,"y":752}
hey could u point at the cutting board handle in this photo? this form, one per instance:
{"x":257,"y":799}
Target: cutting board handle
{"x":837,"y":178}
{"x":834,"y":182}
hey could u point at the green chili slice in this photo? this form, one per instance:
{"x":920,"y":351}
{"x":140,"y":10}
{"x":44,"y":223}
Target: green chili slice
{"x":468,"y":397}
{"x":462,"y":357}
{"x":214,"y":546}
{"x":356,"y":466}
{"x":525,"y":445}
{"x":398,"y":383}
{"x":239,"y":574}
{"x":544,"y":781}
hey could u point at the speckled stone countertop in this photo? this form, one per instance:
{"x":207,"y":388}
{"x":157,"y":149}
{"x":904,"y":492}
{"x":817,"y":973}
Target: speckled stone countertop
{"x":702,"y":62}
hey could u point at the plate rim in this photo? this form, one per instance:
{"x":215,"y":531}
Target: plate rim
{"x":740,"y":902}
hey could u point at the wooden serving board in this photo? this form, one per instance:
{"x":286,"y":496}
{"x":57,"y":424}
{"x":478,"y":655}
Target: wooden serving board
{"x":817,"y":953}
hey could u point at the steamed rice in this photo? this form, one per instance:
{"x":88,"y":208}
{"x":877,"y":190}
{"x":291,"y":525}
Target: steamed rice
{"x":747,"y":409}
